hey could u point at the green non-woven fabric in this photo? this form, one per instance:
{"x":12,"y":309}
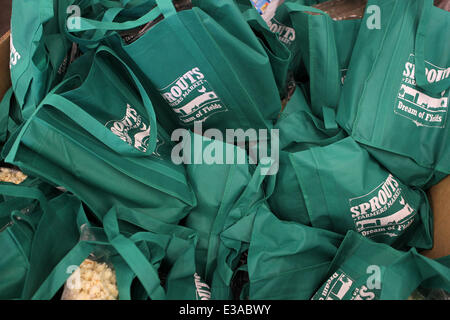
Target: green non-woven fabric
{"x":198,"y":64}
{"x":365,"y":270}
{"x":325,"y":51}
{"x":21,"y":208}
{"x":38,"y":51}
{"x":345,"y":189}
{"x":134,"y":256}
{"x":298,"y":129}
{"x":395,"y":97}
{"x":227,"y":192}
{"x":279,"y":53}
{"x":104,"y":145}
{"x":286,"y":260}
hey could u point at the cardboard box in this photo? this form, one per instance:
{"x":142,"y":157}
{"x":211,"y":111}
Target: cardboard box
{"x":439,"y":195}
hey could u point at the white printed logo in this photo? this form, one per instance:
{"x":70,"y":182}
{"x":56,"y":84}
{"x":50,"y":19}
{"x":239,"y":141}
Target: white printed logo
{"x":285,"y":34}
{"x":202,"y":289}
{"x":341,"y":287}
{"x":423,"y":109}
{"x":192,"y":98}
{"x":383,"y":211}
{"x":14,"y":56}
{"x":131,"y":129}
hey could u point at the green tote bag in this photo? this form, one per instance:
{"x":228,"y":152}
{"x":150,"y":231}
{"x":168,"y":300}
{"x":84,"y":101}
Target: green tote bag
{"x":326,"y":48}
{"x":282,"y":25}
{"x":286,"y":260}
{"x":280,"y":56}
{"x":37,"y":51}
{"x":103,"y":145}
{"x":232,"y":195}
{"x":396,"y":98}
{"x":298,"y":129}
{"x":20,"y":212}
{"x":198,"y":64}
{"x":365,"y":270}
{"x":136,"y":246}
{"x":345,"y":189}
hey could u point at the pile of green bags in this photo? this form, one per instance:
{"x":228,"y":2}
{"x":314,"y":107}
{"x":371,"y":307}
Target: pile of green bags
{"x":335,"y":209}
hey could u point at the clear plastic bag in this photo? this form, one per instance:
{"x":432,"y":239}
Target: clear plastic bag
{"x":94,"y":279}
{"x":12,"y":175}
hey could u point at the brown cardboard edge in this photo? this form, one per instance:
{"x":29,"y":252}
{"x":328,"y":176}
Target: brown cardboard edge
{"x":439,"y":196}
{"x":5,"y":81}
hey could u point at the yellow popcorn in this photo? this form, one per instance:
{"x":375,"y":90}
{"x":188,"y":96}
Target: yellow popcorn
{"x":92,"y":281}
{"x":11,"y":175}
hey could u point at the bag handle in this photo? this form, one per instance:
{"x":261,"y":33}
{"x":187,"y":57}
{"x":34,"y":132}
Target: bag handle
{"x":137,"y":262}
{"x":250,"y":191}
{"x":421,"y":34}
{"x":126,"y":248}
{"x":94,"y":127}
{"x":106,"y":24}
{"x":59,"y":275}
{"x":151,"y":224}
{"x":18,"y":191}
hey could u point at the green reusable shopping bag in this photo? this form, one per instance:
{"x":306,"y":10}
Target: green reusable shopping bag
{"x":199,"y":64}
{"x":406,"y":112}
{"x":20,"y":210}
{"x":345,"y":189}
{"x":406,"y":169}
{"x":365,"y":270}
{"x":232,"y":195}
{"x":103,"y":145}
{"x":279,"y":55}
{"x":325,"y":50}
{"x":134,"y":254}
{"x":37,"y":51}
{"x":5,"y":106}
{"x":282,"y":25}
{"x":298,"y":129}
{"x":286,"y":260}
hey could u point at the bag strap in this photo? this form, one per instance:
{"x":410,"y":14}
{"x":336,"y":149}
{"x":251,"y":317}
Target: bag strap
{"x":137,"y":262}
{"x":98,"y":130}
{"x":45,"y":10}
{"x":24,"y":192}
{"x":105,"y":25}
{"x":250,"y":192}
{"x":151,"y":224}
{"x":421,"y":35}
{"x":59,"y":275}
{"x":126,"y":248}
